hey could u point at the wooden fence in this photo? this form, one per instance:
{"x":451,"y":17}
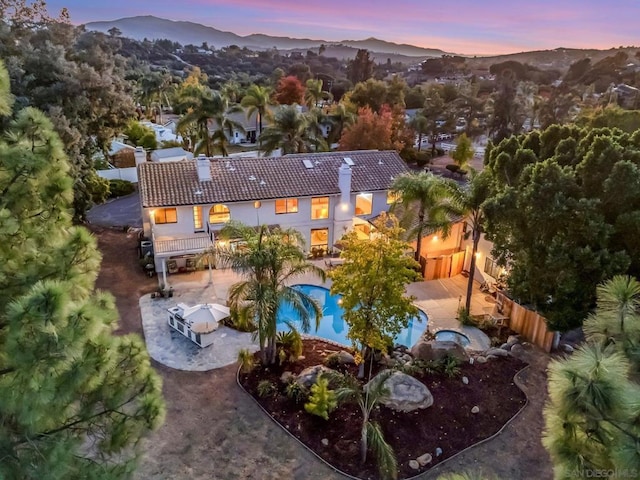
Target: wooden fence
{"x":529,"y":324}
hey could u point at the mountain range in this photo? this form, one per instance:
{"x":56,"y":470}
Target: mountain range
{"x":185,"y":33}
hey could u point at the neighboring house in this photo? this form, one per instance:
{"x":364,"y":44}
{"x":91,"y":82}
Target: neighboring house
{"x":163,"y":134}
{"x":322,"y":195}
{"x":250,"y":127}
{"x":175,"y":154}
{"x":121,"y":155}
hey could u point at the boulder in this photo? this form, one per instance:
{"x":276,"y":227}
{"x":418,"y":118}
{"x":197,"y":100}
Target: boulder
{"x":481,"y":359}
{"x":497,"y":352}
{"x":517,"y":350}
{"x":505,"y":346}
{"x":512,"y":340}
{"x":436,"y":350}
{"x":424,"y":459}
{"x":309,"y":375}
{"x":287,"y":377}
{"x":405,"y":393}
{"x":345,"y":357}
{"x":414,"y":464}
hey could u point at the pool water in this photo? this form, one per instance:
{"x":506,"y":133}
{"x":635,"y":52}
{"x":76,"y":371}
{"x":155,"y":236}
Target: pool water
{"x":332,"y":325}
{"x":452,"y":336}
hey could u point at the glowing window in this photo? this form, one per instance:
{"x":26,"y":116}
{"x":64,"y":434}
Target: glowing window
{"x":319,"y":208}
{"x":219,"y":214}
{"x":165,"y":215}
{"x":197,"y":218}
{"x":287,"y":205}
{"x":364,"y":203}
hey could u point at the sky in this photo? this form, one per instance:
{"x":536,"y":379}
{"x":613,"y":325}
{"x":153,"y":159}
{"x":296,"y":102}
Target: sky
{"x":486,"y":27}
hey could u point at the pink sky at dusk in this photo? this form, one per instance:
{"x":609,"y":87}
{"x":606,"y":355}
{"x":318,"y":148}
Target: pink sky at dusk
{"x":460,"y":26}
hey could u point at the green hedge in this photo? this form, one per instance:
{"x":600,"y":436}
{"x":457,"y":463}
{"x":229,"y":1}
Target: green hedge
{"x":119,"y":188}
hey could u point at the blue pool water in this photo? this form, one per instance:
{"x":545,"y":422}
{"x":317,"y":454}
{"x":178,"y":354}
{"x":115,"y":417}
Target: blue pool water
{"x":333,"y":327}
{"x":452,"y":336}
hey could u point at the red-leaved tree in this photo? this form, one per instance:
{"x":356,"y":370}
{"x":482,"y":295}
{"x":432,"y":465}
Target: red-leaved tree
{"x":381,"y":131}
{"x":290,"y":91}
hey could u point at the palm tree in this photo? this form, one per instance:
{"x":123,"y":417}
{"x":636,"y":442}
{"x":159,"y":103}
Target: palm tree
{"x":421,"y":125}
{"x":314,"y":93}
{"x":340,"y":117}
{"x":291,"y":132}
{"x":436,"y":206}
{"x":257,"y":100}
{"x":268,"y":261}
{"x":371,"y":436}
{"x":470,"y":198}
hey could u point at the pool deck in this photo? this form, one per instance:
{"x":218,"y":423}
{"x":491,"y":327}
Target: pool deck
{"x":439,"y":299}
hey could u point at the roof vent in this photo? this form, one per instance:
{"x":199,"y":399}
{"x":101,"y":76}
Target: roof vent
{"x":198,"y":192}
{"x":307,"y":164}
{"x":348,"y":161}
{"x":317,"y":163}
{"x":263,"y":183}
{"x":380,"y":162}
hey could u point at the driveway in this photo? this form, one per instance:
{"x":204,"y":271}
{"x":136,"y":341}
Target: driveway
{"x":119,"y":212}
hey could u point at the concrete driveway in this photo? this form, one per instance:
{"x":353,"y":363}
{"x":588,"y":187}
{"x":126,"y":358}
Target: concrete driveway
{"x":119,"y":212}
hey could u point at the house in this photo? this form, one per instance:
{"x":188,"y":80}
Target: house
{"x":163,"y":134}
{"x":250,"y":126}
{"x":121,"y":155}
{"x":174,"y":154}
{"x":322,"y":195}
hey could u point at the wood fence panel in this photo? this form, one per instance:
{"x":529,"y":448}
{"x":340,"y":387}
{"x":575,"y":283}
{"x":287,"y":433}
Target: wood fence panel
{"x":529,"y":324}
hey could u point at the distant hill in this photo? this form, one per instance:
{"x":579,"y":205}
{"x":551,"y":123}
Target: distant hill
{"x":194,"y":33}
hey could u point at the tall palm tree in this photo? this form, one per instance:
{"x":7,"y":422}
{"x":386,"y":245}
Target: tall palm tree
{"x":422,"y":126}
{"x":470,"y":198}
{"x":371,"y":436}
{"x":257,"y":100}
{"x":314,"y":93}
{"x":268,"y":260}
{"x":340,"y":118}
{"x":291,"y":132}
{"x":433,"y":198}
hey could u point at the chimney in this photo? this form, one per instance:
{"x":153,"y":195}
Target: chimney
{"x":140,"y":155}
{"x":204,"y":168}
{"x":344,"y":182}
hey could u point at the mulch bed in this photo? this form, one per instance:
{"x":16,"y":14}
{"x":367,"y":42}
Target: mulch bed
{"x":448,"y":424}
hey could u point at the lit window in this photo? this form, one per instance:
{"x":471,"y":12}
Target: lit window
{"x":165,"y":215}
{"x":319,"y":208}
{"x":319,"y":239}
{"x":197,"y":218}
{"x":364,"y":203}
{"x":491,"y":268}
{"x":392,"y":197}
{"x":287,"y":205}
{"x":219,"y":214}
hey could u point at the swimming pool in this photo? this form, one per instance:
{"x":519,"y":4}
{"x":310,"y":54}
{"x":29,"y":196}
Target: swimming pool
{"x":332,"y":325}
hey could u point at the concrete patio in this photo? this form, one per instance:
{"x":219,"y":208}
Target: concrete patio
{"x":439,"y":299}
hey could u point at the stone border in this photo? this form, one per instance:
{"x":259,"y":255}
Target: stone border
{"x":415,"y":477}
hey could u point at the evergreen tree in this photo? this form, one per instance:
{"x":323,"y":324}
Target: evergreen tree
{"x":75,"y":398}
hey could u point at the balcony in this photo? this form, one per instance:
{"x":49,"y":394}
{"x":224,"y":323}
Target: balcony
{"x":165,"y":247}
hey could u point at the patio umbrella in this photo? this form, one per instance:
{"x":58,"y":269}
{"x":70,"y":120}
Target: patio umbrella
{"x":219,"y":312}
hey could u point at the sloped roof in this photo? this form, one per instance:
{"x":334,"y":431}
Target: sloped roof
{"x":248,"y":179}
{"x":171,"y":152}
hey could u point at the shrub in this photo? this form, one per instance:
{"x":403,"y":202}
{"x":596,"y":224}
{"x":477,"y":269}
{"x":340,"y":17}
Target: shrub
{"x":322,"y":401}
{"x":266,"y":388}
{"x":296,"y":392}
{"x":119,"y":188}
{"x":465,"y":317}
{"x":451,"y":367}
{"x":246,"y":360}
{"x":332,"y":360}
{"x":423,"y":158}
{"x":240,"y":321}
{"x":290,"y":342}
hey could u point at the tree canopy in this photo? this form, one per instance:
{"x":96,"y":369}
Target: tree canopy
{"x":563,"y":215}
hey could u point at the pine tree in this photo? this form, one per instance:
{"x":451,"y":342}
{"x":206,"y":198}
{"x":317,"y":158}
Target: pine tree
{"x":75,"y":398}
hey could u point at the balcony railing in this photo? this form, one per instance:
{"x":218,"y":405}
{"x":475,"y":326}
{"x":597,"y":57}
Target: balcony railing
{"x":176,"y":246}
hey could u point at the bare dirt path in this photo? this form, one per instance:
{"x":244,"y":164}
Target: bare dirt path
{"x":214,"y":430}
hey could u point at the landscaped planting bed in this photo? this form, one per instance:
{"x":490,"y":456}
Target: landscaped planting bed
{"x":448,"y":425}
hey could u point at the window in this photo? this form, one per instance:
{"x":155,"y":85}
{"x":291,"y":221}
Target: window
{"x":319,"y":208}
{"x":319,"y":239}
{"x":219,"y":214}
{"x":393,"y":197}
{"x":165,"y":215}
{"x":197,"y":218}
{"x":364,"y":203}
{"x":491,"y":268}
{"x":287,"y":205}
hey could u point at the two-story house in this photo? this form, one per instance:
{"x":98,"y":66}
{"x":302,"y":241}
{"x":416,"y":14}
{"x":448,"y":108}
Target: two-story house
{"x":322,"y":195}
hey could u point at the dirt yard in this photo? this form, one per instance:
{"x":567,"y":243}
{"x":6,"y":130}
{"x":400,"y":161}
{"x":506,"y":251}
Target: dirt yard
{"x":214,"y":430}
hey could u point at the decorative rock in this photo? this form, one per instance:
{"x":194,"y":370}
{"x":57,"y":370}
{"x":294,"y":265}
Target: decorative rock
{"x":414,"y":464}
{"x":481,"y":359}
{"x":567,"y":348}
{"x":505,"y":346}
{"x":425,"y":459}
{"x":405,"y":393}
{"x":471,"y":360}
{"x":491,"y":357}
{"x":287,"y":377}
{"x":475,"y":409}
{"x":465,"y":380}
{"x":517,"y":349}
{"x":345,"y":357}
{"x":436,"y":350}
{"x":400,"y":348}
{"x":387,"y":361}
{"x":513,"y":339}
{"x":406,"y":358}
{"x":498,"y":352}
{"x":438,"y":451}
{"x":309,"y":375}
{"x":324,"y":442}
